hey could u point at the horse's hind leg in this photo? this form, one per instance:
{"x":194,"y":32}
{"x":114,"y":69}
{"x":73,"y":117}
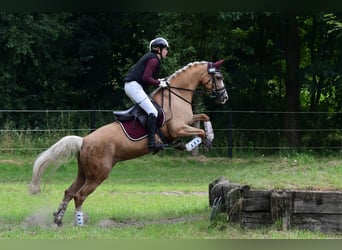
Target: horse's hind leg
{"x":68,"y":195}
{"x":96,"y":174}
{"x":89,"y":186}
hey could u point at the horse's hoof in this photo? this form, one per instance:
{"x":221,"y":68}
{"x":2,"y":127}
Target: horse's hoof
{"x":57,"y":220}
{"x":207,"y":143}
{"x":58,"y":223}
{"x":180,"y":145}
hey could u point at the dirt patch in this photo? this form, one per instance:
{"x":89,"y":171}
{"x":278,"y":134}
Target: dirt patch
{"x":14,"y":162}
{"x":170,"y":193}
{"x":135,"y":223}
{"x":202,"y":159}
{"x":43,"y":218}
{"x":40,"y":218}
{"x":184,"y":193}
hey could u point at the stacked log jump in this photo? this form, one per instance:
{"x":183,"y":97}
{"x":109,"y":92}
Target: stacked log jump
{"x":310,"y":210}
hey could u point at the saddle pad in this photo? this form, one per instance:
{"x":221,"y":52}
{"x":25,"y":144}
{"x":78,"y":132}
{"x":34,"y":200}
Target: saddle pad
{"x":135,"y":131}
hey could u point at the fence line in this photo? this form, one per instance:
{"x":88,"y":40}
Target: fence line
{"x":236,"y":132}
{"x":219,"y":129}
{"x":42,"y":130}
{"x":208,"y":111}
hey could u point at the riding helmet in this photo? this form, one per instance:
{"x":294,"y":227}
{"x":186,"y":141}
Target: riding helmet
{"x":159,"y":43}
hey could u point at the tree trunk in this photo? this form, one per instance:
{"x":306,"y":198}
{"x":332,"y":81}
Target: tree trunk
{"x":292,"y":82}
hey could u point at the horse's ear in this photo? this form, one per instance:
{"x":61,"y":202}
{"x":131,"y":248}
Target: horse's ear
{"x":218,"y":63}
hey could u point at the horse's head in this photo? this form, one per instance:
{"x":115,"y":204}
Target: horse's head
{"x":215,"y":84}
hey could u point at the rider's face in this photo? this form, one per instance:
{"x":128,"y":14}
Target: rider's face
{"x":164,"y":52}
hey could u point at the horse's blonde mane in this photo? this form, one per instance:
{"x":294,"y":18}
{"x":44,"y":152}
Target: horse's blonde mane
{"x":185,"y":68}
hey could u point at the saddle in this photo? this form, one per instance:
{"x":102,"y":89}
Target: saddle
{"x":133,"y":121}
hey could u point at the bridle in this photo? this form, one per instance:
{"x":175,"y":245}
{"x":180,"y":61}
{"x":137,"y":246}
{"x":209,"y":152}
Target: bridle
{"x":215,"y":91}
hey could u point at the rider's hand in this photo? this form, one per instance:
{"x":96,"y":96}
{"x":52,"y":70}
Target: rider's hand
{"x":163,"y":83}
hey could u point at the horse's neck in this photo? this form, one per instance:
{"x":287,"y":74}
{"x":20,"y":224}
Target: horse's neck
{"x":188,"y":79}
{"x":182,"y":86}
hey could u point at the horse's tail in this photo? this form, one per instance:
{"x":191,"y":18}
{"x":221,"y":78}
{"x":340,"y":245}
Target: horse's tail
{"x":58,"y":153}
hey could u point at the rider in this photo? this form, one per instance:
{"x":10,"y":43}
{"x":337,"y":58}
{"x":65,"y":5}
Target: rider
{"x":144,"y":73}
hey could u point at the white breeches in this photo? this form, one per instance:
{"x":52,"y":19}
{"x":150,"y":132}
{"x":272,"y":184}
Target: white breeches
{"x":137,"y":94}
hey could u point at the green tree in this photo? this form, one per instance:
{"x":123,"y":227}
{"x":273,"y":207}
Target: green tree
{"x":273,"y":62}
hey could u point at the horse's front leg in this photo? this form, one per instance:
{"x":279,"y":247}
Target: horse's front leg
{"x":209,"y":132}
{"x":200,"y":136}
{"x":200,"y":117}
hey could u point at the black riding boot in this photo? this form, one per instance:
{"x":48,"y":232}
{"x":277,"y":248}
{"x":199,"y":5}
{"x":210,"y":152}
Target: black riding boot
{"x":151,"y":131}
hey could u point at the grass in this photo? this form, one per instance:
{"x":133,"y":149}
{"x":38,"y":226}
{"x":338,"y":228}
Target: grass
{"x":155,"y":197}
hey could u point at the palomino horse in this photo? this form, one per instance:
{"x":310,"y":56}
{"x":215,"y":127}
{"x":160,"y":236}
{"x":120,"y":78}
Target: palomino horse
{"x":99,"y":151}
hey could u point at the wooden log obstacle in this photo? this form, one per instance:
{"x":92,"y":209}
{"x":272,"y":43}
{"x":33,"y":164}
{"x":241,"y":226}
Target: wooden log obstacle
{"x":296,"y":209}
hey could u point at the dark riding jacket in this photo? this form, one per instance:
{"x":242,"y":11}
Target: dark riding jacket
{"x":145,"y":71}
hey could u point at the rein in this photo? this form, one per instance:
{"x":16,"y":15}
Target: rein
{"x":179,"y":96}
{"x":169,"y":88}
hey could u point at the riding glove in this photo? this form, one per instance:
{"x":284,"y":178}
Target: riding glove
{"x":163,"y":83}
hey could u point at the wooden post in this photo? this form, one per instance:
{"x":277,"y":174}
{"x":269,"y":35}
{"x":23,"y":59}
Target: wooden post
{"x":230,"y":194}
{"x":195,"y":151}
{"x":309,"y":210}
{"x":281,"y":208}
{"x":230,"y":135}
{"x":92,"y":121}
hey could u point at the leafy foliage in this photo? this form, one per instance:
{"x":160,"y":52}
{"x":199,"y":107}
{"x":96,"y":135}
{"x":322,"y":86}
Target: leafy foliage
{"x":71,"y":60}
